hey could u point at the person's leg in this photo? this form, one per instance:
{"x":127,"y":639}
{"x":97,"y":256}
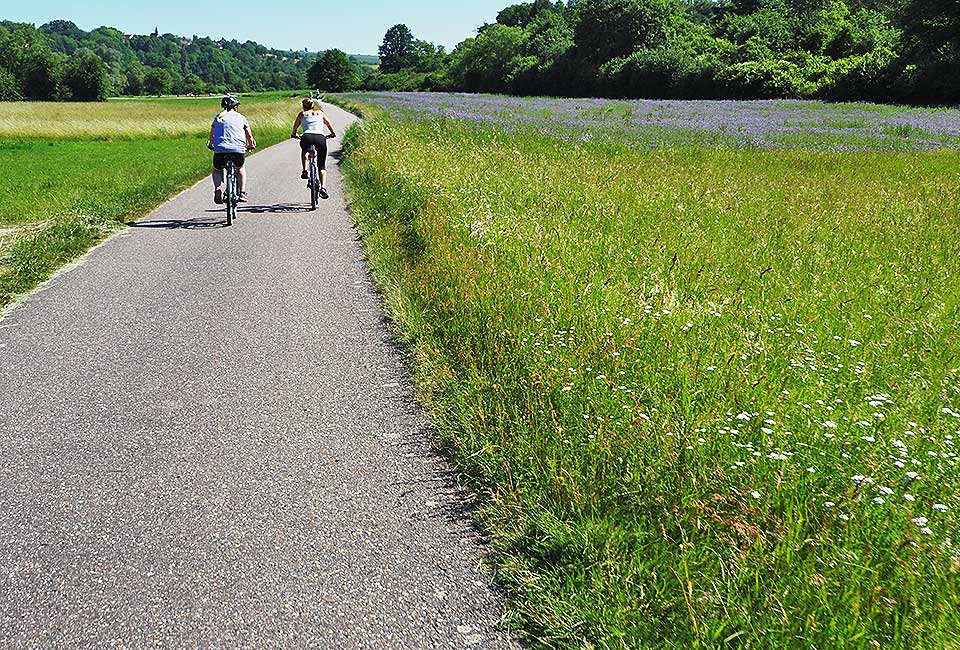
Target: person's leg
{"x":322,"y":163}
{"x":303,"y":158}
{"x":241,"y":180}
{"x":217,"y":177}
{"x":323,"y":184}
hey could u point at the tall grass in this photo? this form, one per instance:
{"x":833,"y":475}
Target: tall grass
{"x":712,"y":395}
{"x":139,"y":118}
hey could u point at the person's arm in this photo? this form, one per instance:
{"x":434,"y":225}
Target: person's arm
{"x":251,"y":143}
{"x":329,"y":126}
{"x":296,"y":124}
{"x":210,"y":139}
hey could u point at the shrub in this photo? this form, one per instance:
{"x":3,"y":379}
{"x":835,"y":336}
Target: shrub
{"x":870,"y":76}
{"x":770,"y":79}
{"x":663,"y":72}
{"x":403,"y":81}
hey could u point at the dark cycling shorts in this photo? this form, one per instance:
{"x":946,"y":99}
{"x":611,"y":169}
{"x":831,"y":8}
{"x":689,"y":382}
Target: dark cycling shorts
{"x":220,"y":160}
{"x":320,"y":142}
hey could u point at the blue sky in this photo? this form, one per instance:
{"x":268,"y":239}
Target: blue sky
{"x":356,"y":26}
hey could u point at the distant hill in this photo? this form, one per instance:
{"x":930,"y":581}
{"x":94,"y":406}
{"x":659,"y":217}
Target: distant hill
{"x":146,"y":64}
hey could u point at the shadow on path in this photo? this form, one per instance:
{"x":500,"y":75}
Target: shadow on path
{"x":276,"y":208}
{"x":197,"y":223}
{"x":211,"y":222}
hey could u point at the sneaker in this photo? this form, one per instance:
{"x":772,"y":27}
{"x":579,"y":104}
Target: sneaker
{"x":323,"y":193}
{"x":242,"y":198}
{"x":304,"y":175}
{"x":218,"y":196}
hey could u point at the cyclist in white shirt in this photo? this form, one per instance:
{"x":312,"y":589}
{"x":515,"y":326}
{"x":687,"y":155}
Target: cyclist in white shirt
{"x":230,"y":139}
{"x":312,"y":120}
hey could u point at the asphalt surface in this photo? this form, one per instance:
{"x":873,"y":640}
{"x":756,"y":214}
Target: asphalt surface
{"x":208,"y":439}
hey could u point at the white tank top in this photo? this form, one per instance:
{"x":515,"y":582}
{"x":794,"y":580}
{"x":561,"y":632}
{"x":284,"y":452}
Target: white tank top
{"x":312,"y":122}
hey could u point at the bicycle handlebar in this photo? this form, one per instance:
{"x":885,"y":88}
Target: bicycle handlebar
{"x":210,"y":147}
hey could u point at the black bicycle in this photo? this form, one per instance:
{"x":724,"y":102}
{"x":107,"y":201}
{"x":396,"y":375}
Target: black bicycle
{"x":313,"y":177}
{"x":230,"y":196}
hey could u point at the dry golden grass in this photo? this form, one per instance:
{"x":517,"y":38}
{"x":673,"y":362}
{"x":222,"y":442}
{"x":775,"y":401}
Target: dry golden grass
{"x":131,"y":119}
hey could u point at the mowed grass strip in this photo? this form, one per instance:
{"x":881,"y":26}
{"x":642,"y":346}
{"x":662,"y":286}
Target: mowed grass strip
{"x":112,"y":163}
{"x":712,"y":396}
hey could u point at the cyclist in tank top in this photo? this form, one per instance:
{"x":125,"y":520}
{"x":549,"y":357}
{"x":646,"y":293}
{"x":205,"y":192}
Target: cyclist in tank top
{"x":312,"y":120}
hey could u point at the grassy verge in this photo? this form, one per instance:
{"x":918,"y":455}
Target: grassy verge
{"x":712,"y":395}
{"x":122,"y":159}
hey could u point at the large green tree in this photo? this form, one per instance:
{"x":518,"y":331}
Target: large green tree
{"x":85,"y":77}
{"x":333,"y":72}
{"x":606,"y":29}
{"x":483,"y":64}
{"x":398,"y":49}
{"x":40,"y":73}
{"x":428,"y":57}
{"x":932,"y":51}
{"x":157,"y":81}
{"x":520,"y":15}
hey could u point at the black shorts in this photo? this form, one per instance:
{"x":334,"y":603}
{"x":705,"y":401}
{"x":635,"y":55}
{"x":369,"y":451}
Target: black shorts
{"x":220,"y":160}
{"x":320,"y":142}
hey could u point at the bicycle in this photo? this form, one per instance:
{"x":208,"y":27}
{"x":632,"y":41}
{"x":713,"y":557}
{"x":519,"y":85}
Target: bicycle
{"x":231,"y":197}
{"x":313,"y":176}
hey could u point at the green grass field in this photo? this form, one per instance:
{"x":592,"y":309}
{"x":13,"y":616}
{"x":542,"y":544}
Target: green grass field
{"x":711,"y":396}
{"x":119,"y":160}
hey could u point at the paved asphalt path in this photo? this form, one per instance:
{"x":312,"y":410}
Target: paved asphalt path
{"x":207,"y":439}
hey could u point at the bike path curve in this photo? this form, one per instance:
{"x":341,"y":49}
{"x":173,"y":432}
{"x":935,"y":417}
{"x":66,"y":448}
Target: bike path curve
{"x":208,"y":439}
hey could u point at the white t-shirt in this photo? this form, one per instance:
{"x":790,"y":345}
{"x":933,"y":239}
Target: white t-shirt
{"x":312,"y":122}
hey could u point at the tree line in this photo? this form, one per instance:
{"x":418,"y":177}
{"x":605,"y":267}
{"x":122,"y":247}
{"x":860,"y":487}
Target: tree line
{"x":59,"y":60}
{"x":879,"y":50}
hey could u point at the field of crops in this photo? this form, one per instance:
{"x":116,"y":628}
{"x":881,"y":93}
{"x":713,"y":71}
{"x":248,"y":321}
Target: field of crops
{"x":708,"y":384}
{"x":73,"y":172}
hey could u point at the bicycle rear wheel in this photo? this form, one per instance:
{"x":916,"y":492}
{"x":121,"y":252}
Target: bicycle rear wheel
{"x":231,"y":197}
{"x":314,"y":185}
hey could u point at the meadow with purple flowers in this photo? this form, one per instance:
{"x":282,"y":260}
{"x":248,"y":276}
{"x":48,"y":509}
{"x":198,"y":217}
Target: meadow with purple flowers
{"x":708,"y":390}
{"x":768,"y":123}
